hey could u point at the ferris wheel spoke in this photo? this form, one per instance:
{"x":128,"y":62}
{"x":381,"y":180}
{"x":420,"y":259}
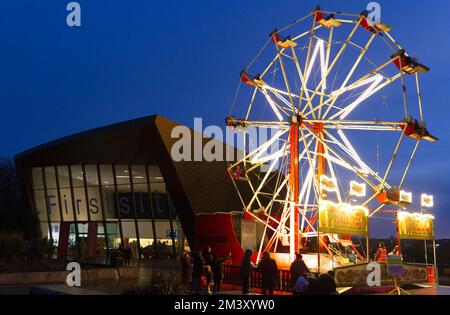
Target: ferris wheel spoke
{"x":310,"y":160}
{"x":335,"y":60}
{"x":371,"y":77}
{"x":394,"y":156}
{"x":348,"y":148}
{"x":372,"y":89}
{"x":276,"y":92}
{"x":336,"y":153}
{"x":304,"y":89}
{"x":405,"y":173}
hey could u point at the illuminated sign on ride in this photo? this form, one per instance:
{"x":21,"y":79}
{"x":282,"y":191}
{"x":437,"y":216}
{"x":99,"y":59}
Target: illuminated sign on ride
{"x":415,"y":226}
{"x":357,"y":190}
{"x":427,"y":201}
{"x":342,"y":218}
{"x":328,"y":184}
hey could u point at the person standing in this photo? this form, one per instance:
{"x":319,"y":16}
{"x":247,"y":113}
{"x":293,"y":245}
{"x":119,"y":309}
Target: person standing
{"x":246,"y":268}
{"x":269,"y":271}
{"x":381,"y":255}
{"x":298,"y":269}
{"x":208,"y":257}
{"x":218,"y":273}
{"x":197,"y":272}
{"x":185,"y":267}
{"x":128,"y":253}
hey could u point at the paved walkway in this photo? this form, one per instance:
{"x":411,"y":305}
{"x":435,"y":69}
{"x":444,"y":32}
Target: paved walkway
{"x":148,"y":269}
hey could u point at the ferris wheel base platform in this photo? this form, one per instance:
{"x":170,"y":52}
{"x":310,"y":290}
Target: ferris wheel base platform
{"x":312,"y":260}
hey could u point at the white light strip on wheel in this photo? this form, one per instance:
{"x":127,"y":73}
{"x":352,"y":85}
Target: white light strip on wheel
{"x":362,"y":97}
{"x":322,"y":66}
{"x":337,"y":161}
{"x":272,"y":104}
{"x":259,"y":151}
{"x":319,"y":47}
{"x":347,"y":143}
{"x":354,"y":85}
{"x":265,"y":159}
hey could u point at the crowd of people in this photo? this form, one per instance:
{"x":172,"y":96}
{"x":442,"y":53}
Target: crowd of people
{"x":203,"y":270}
{"x":303,"y":282}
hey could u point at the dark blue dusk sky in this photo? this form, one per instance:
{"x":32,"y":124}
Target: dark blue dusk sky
{"x":182,"y":59}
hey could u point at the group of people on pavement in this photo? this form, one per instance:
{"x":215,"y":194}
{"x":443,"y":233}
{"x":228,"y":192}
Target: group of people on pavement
{"x":203,"y":270}
{"x":303,"y":282}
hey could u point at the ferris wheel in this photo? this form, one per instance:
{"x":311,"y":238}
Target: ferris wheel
{"x":327,"y":88}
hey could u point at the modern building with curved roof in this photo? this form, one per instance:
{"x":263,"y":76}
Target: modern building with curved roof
{"x":119,"y":185}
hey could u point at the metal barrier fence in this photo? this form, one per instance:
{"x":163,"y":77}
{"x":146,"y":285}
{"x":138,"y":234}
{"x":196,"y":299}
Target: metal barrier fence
{"x":232,"y":275}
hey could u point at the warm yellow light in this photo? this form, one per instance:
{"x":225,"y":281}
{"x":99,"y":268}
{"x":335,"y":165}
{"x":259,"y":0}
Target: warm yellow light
{"x":427,"y":201}
{"x":344,"y":207}
{"x":328,"y":184}
{"x":405,"y":196}
{"x":403,"y":215}
{"x":356,"y":189}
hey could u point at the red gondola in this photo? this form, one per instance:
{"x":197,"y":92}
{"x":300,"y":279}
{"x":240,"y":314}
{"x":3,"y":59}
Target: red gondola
{"x":373,"y":28}
{"x":392,"y":197}
{"x":408,"y":64}
{"x":283,"y":42}
{"x":418,"y":131}
{"x":326,"y":20}
{"x":249,"y":80}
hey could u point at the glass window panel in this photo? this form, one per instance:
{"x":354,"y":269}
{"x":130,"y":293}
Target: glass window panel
{"x":36,"y":173}
{"x":122,"y":175}
{"x":113,"y":234}
{"x":143,"y":207}
{"x":41,"y":209}
{"x":53,"y":204}
{"x":63,"y":176}
{"x":106,"y":175}
{"x":146,"y":233}
{"x":50,"y":178}
{"x":129,"y":236}
{"x":91,"y":175}
{"x":66,"y":204}
{"x":155,"y":174}
{"x":80,"y":204}
{"x":126,"y":205}
{"x":55,"y":233}
{"x":160,"y":206}
{"x":44,"y":230}
{"x":95,"y":209}
{"x":139,"y":174}
{"x":77,"y":176}
{"x":109,"y":202}
{"x":159,"y":187}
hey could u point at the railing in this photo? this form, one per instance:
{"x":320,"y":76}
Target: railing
{"x":232,"y":275}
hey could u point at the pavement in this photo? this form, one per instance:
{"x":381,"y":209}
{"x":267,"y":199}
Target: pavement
{"x":148,"y":269}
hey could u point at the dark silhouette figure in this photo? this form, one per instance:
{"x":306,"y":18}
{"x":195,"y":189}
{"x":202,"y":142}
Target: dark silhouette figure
{"x":298,"y":269}
{"x":246,"y":268}
{"x":185,"y":268}
{"x":313,"y":286}
{"x":218,"y":273}
{"x":327,"y":284}
{"x":269,"y":271}
{"x":208,"y":257}
{"x":197,"y":272}
{"x":127,"y":253}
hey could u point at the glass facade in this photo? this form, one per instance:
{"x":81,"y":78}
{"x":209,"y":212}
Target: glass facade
{"x":129,"y":205}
